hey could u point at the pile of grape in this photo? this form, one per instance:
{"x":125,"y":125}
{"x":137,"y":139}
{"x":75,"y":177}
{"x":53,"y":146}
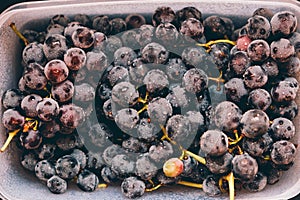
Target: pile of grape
{"x":175,"y":99}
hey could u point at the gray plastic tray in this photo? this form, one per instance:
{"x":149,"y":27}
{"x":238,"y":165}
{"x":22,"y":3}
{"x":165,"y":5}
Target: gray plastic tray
{"x":16,"y":183}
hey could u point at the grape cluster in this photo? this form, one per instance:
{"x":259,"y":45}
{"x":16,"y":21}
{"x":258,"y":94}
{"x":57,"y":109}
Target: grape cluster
{"x":183,"y":100}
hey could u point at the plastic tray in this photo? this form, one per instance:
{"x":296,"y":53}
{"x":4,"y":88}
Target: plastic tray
{"x":16,"y":183}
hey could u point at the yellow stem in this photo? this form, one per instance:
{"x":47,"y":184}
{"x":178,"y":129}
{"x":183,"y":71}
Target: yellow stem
{"x":11,"y":135}
{"x":183,"y":155}
{"x":198,"y":158}
{"x":102,"y":185}
{"x":143,"y":109}
{"x":140,"y":99}
{"x":190,"y":184}
{"x":165,"y":136}
{"x":230,"y":179}
{"x":267,"y":157}
{"x":18,"y":33}
{"x":154,"y":188}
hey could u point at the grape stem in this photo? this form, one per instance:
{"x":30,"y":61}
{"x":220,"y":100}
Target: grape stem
{"x":11,"y":135}
{"x":230,"y":179}
{"x":198,"y":158}
{"x":18,"y":33}
{"x":102,"y":185}
{"x":165,"y":136}
{"x":219,"y":80}
{"x":208,"y":44}
{"x":154,"y":187}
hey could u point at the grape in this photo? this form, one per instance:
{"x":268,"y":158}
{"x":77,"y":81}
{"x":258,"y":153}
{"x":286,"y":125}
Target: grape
{"x":178,"y":97}
{"x":55,"y":46}
{"x":188,"y":12}
{"x":134,"y":21}
{"x":210,"y":186}
{"x":193,"y":28}
{"x":132,"y":187}
{"x":258,"y":27}
{"x":154,"y":53}
{"x":33,"y":52}
{"x":56,"y":71}
{"x":219,"y":164}
{"x":282,"y":50}
{"x":283,"y":152}
{"x":214,"y":142}
{"x":155,"y":80}
{"x":11,"y":98}
{"x":67,"y":167}
{"x":145,"y":168}
{"x":227,"y":116}
{"x":57,"y":185}
{"x":137,"y":70}
{"x":71,"y":116}
{"x":96,"y":61}
{"x":147,"y":131}
{"x":29,"y":104}
{"x":124,"y":94}
{"x":31,"y":139}
{"x":110,"y":152}
{"x":258,"y":50}
{"x":166,"y":33}
{"x":124,"y":56}
{"x":101,"y":24}
{"x":127,"y":119}
{"x":94,"y":161}
{"x":258,"y":146}
{"x":34,"y":76}
{"x":173,"y":167}
{"x":63,"y":91}
{"x":122,"y":165}
{"x":254,"y":123}
{"x":83,"y":38}
{"x":47,"y":109}
{"x":46,"y":151}
{"x":175,"y":69}
{"x":245,"y":167}
{"x":160,"y":152}
{"x":75,"y":58}
{"x":159,"y":110}
{"x":44,"y":170}
{"x":163,"y":14}
{"x":84,"y":92}
{"x":195,"y":80}
{"x":12,"y":119}
{"x":283,"y":23}
{"x":87,"y":181}
{"x":285,"y":90}
{"x":118,"y":74}
{"x":49,"y":129}
{"x":80,"y":156}
{"x":55,"y":29}
{"x":255,"y":77}
{"x":282,"y":129}
{"x":260,"y":99}
{"x":146,"y":32}
{"x":108,"y":175}
{"x":215,"y":28}
{"x":258,"y":184}
{"x":179,"y":129}
{"x":28,"y":160}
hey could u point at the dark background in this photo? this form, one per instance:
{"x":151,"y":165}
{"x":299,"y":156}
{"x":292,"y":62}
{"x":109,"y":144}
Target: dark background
{"x":5,"y":4}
